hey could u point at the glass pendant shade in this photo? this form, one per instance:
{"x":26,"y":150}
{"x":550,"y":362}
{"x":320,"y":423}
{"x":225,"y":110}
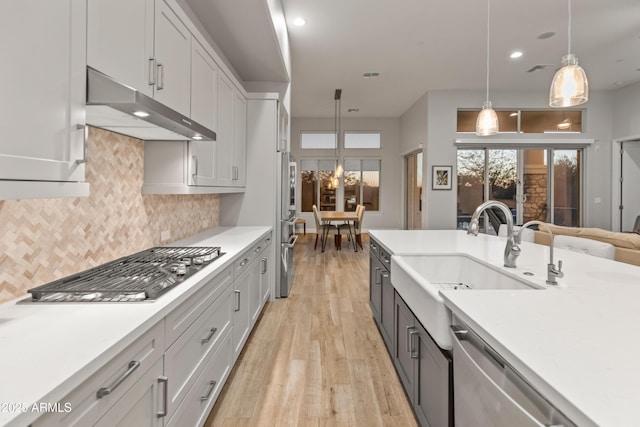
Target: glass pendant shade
{"x":487,"y":121}
{"x":339,"y":170}
{"x":569,"y":86}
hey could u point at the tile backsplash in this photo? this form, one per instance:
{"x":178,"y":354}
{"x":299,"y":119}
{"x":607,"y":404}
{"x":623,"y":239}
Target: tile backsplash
{"x":42,"y":240}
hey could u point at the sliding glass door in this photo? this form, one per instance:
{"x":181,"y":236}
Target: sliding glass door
{"x":536,"y":184}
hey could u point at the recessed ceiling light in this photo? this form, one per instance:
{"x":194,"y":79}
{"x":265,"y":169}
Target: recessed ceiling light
{"x":546,"y":35}
{"x":618,"y":83}
{"x":514,"y":114}
{"x":141,"y":113}
{"x":299,"y":22}
{"x":197,"y":137}
{"x":515,"y":54}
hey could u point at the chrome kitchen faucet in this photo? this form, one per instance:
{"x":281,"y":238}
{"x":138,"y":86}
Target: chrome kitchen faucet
{"x":511,"y":250}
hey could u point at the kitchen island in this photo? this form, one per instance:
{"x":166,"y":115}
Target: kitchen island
{"x":51,"y":349}
{"x":573,"y":342}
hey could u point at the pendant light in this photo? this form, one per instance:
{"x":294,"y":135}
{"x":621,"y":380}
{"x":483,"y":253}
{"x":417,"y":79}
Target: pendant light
{"x":569,"y":86}
{"x":487,"y":121}
{"x":339,"y":169}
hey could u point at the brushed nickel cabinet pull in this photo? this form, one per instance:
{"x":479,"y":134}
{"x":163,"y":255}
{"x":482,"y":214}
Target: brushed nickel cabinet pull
{"x":207,"y":394}
{"x":165,"y":396}
{"x":152,"y":71}
{"x":237,"y":301}
{"x":212,"y":332}
{"x":85,"y":143}
{"x":160,"y":69}
{"x":105,"y":391}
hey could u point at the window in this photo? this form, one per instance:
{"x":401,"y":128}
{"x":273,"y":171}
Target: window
{"x":316,"y":187}
{"x":318,"y":141}
{"x":362,"y":140}
{"x":526,"y":121}
{"x":362,"y":184}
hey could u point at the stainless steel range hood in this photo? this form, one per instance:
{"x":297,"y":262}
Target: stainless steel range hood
{"x":114,"y":106}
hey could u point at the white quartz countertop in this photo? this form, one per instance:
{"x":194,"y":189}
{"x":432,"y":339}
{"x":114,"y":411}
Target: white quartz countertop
{"x":48,"y":349}
{"x":576,"y":343}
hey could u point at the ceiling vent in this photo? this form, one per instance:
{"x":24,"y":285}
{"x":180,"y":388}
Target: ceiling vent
{"x":370,"y":75}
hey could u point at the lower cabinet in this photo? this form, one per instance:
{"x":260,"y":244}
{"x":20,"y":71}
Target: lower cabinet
{"x":381,"y":292}
{"x":173,"y":374}
{"x":424,"y":369}
{"x":139,"y":406}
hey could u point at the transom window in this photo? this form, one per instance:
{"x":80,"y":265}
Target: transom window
{"x":526,"y":121}
{"x":318,"y":140}
{"x":355,"y":140}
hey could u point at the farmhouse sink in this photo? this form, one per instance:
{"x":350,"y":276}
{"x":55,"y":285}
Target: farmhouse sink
{"x":420,"y":278}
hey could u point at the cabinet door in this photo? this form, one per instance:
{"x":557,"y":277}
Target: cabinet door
{"x":386,"y":308}
{"x":375,"y":289}
{"x":120,"y":41}
{"x":143,"y":405}
{"x":241,"y":312}
{"x":255,"y":293}
{"x":224,"y":140}
{"x":239,"y":139}
{"x":266,"y":273}
{"x":42,"y":111}
{"x":432,"y":402}
{"x":204,"y":86}
{"x":403,"y":337}
{"x":173,"y":60}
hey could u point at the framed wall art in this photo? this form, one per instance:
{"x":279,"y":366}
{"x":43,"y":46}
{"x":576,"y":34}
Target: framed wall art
{"x":441,"y":179}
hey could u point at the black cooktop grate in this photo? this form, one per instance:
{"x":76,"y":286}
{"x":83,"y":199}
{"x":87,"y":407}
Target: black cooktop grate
{"x":142,"y":276}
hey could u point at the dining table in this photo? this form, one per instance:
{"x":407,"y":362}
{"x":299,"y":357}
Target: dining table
{"x":328,"y":217}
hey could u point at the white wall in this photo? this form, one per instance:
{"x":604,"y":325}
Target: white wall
{"x":439,"y":211}
{"x":626,"y":127}
{"x":391,"y":176}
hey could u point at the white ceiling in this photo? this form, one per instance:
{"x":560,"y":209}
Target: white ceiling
{"x":423,"y":45}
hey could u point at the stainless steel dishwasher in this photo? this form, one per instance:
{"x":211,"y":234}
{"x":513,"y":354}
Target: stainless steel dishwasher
{"x":489,"y":392}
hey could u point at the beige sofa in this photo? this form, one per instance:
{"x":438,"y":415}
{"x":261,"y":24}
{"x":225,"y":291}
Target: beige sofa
{"x":627,"y":245}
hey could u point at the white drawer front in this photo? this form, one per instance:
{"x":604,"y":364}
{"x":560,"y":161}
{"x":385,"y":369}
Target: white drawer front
{"x":111,"y":382}
{"x":200,"y":399}
{"x":183,"y":360}
{"x":183,"y":317}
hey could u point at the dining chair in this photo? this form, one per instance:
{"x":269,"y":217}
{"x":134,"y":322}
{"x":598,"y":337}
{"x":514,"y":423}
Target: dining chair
{"x":321,"y":229}
{"x":357,"y":226}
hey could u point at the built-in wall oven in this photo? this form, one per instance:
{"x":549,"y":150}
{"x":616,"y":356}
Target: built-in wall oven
{"x":288,"y":236}
{"x":490,"y":392}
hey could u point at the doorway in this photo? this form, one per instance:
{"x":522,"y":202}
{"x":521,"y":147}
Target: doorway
{"x":629,"y":205}
{"x":414,"y":191}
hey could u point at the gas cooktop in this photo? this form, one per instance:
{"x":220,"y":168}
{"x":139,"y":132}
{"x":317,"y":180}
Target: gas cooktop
{"x":143,"y":276}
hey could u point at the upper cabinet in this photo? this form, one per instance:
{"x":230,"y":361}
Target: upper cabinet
{"x":232,"y":135}
{"x":172,"y":60}
{"x":42,"y":113}
{"x":120,"y":41}
{"x":142,"y":44}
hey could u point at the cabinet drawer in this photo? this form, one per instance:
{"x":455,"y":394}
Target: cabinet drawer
{"x":183,"y":360}
{"x":385,"y":258}
{"x":182,"y":317}
{"x":195,"y":408}
{"x":251,"y":254}
{"x":111,"y":382}
{"x":374,"y":248}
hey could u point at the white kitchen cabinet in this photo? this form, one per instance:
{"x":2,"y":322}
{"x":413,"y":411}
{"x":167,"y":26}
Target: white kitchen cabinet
{"x":42,"y":113}
{"x":239,"y":140}
{"x":225,"y":139}
{"x":241,"y":310}
{"x":204,"y":86}
{"x":265,"y":274}
{"x":120,"y":36}
{"x":143,"y":44}
{"x":232,"y":135}
{"x":184,"y":360}
{"x":136,"y":366}
{"x":172,"y":60}
{"x":142,"y":405}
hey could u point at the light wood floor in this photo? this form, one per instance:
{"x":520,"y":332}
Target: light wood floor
{"x":316,"y":358}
